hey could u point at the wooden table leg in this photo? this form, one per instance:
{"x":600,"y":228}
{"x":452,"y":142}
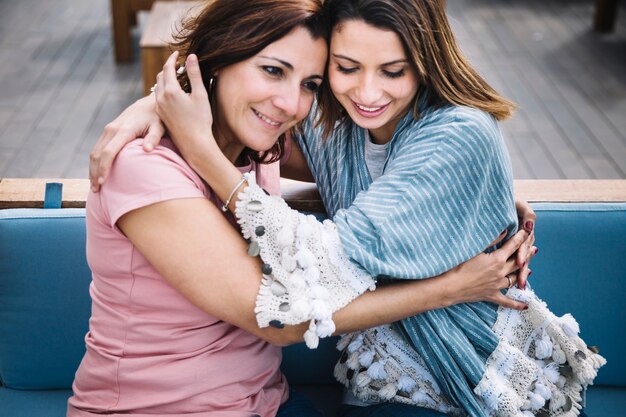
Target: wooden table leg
{"x":605,"y":15}
{"x":121,"y":28}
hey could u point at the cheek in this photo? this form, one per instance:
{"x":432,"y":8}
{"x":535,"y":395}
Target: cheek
{"x":304,"y":107}
{"x":407,"y":89}
{"x":406,"y":93}
{"x":338,"y":82}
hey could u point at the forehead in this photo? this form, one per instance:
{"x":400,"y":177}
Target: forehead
{"x":299,"y":49}
{"x":357,"y":39}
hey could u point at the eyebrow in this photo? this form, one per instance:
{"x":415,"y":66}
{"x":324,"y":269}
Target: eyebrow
{"x":397,"y":61}
{"x":288,"y":65}
{"x":285,"y":63}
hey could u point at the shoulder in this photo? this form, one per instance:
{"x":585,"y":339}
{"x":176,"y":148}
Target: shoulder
{"x":163,"y":164}
{"x":448,"y":131}
{"x":163,"y":154}
{"x":140,"y":178}
{"x":459,"y":120}
{"x":464,"y":128}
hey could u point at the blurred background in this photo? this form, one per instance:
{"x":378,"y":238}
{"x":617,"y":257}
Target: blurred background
{"x":60,"y":80}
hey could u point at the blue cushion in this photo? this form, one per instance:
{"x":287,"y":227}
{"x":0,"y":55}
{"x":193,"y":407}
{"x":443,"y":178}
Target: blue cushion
{"x":15,"y":403}
{"x":44,"y":297}
{"x":45,"y":305}
{"x":580,"y":269}
{"x":303,"y":366}
{"x":603,"y":401}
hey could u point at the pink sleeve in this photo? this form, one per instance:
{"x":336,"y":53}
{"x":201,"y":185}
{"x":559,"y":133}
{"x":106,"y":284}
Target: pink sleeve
{"x":139,"y":179}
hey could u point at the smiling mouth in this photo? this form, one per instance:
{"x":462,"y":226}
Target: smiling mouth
{"x":370,"y":111}
{"x":266,"y":119}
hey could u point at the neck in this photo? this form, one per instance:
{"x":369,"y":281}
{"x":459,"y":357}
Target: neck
{"x":231,"y":148}
{"x":383,"y":134}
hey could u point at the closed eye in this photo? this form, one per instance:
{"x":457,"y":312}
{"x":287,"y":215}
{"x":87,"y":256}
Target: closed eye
{"x":346,"y":70}
{"x":394,"y":74}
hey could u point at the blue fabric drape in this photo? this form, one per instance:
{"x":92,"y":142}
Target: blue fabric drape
{"x":446,"y":192}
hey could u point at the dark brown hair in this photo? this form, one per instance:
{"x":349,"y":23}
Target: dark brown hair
{"x":225,"y":32}
{"x":443,"y":73}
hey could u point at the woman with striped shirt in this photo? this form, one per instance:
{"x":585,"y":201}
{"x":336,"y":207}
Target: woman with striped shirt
{"x":414,"y":173}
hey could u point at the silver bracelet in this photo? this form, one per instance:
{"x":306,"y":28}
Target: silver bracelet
{"x":244,"y":178}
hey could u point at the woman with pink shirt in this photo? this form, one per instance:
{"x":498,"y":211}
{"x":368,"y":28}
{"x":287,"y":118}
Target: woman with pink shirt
{"x":173,"y":329}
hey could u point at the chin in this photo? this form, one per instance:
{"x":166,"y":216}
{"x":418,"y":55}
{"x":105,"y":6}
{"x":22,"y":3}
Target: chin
{"x":262,"y":147}
{"x":366,"y":123}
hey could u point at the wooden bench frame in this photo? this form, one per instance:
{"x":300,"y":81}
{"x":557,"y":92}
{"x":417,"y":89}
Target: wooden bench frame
{"x":163,"y":22}
{"x":123,"y":18}
{"x":29,"y":192}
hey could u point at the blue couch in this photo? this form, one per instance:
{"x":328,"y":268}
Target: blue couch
{"x":45,"y":305}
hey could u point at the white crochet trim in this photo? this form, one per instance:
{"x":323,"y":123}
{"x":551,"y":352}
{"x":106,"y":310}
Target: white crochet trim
{"x":540,"y":362}
{"x":310,"y":277}
{"x":506,"y":381}
{"x":378,"y":365}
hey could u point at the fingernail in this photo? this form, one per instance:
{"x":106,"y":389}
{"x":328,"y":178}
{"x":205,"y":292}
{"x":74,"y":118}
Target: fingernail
{"x":523,"y":286}
{"x":148,"y":147}
{"x":100,"y":180}
{"x":529,"y":226}
{"x":525,"y":307}
{"x":536,"y":250}
{"x":94,"y":188}
{"x":530,"y":272}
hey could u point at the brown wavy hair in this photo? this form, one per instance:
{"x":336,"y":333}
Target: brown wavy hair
{"x":443,"y":73}
{"x":224,"y":32}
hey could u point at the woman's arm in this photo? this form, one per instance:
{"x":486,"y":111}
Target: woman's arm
{"x":188,"y":118}
{"x":217,"y":275}
{"x":487,"y":287}
{"x":137,"y":121}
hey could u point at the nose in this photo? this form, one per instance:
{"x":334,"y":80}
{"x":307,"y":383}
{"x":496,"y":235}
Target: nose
{"x":368,"y":90}
{"x":288,"y":100}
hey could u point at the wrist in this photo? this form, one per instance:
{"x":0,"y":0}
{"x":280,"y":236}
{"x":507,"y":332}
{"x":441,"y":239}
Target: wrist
{"x":217,"y":170}
{"x":148,"y":101}
{"x":449,"y":293}
{"x":203,"y":156}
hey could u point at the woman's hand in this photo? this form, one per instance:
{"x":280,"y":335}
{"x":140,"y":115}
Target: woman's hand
{"x":189,"y":122}
{"x":527,"y":218}
{"x":187,"y":116}
{"x":483,"y":277}
{"x":138,"y":120}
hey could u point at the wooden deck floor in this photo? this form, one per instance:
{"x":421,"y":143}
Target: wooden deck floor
{"x":59,"y":84}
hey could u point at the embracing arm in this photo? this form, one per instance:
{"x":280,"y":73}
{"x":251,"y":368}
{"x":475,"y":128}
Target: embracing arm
{"x":311,"y":294}
{"x":219,"y":277}
{"x":137,"y":121}
{"x":483,"y":283}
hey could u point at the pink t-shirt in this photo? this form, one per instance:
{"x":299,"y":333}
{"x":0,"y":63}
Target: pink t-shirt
{"x":149,"y":350}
